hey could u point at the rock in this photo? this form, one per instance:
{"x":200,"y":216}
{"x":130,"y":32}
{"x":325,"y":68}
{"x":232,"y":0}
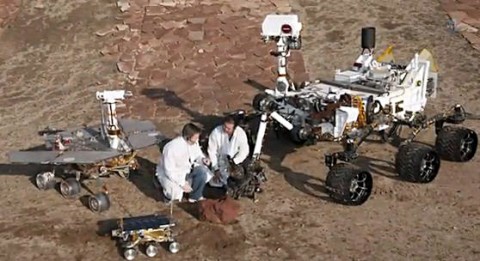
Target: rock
{"x":196,"y":35}
{"x":121,"y":27}
{"x":172,"y":24}
{"x":109,"y":50}
{"x":154,"y":2}
{"x":104,"y":32}
{"x":133,"y":75}
{"x":462,"y":27}
{"x":168,"y":3}
{"x":197,"y":20}
{"x":124,"y":5}
{"x":154,"y":10}
{"x":125,"y":66}
{"x":201,"y":51}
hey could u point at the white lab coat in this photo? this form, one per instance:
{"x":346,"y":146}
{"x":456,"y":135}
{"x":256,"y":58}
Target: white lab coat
{"x":220,"y":145}
{"x":175,"y":163}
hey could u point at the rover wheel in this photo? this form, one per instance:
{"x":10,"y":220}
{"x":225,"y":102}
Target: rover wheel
{"x":260,"y":101}
{"x":299,"y":135}
{"x":151,"y":249}
{"x":232,"y":193}
{"x":456,"y":143}
{"x":348,"y":184}
{"x":416,"y":162}
{"x":99,"y":202}
{"x":174,"y":247}
{"x":70,"y":187}
{"x":45,"y":180}
{"x":130,"y":253}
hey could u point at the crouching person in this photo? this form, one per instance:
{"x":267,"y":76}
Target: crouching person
{"x":228,"y":143}
{"x":183,"y":166}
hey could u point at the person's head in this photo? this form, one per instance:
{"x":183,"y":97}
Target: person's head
{"x":229,"y":124}
{"x":191,"y":133}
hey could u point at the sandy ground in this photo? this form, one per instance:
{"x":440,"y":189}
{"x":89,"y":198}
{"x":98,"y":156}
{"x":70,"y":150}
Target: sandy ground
{"x":50,"y":66}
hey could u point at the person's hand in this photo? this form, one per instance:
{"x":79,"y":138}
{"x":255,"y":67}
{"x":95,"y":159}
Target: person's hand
{"x":206,"y":161}
{"x":187,"y":188}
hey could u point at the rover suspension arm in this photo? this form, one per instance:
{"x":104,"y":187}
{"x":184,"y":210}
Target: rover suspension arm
{"x":350,"y":147}
{"x":455,"y":115}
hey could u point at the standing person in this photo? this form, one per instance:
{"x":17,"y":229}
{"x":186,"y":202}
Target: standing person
{"x":182,"y":168}
{"x":227,"y":142}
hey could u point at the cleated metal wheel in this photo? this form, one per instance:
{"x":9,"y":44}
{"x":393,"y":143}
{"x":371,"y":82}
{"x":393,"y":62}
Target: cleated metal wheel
{"x":417,"y":162}
{"x":99,"y":202}
{"x":174,"y":247}
{"x":69,"y":188}
{"x":456,"y":143}
{"x":151,"y":249}
{"x":45,"y":180}
{"x":130,"y":253}
{"x":348,"y":184}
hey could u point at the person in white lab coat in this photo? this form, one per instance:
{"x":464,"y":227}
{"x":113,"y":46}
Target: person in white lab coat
{"x":182,"y":168}
{"x":226,"y":141}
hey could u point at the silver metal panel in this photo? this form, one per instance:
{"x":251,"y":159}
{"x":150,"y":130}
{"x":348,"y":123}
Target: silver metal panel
{"x":132,"y":125}
{"x":143,"y":140}
{"x":32,"y":156}
{"x":85,"y":157}
{"x":67,"y":157}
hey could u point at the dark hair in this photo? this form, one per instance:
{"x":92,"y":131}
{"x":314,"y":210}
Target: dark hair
{"x":230,"y":119}
{"x":189,"y":130}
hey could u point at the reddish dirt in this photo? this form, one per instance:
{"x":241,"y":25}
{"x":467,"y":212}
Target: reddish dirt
{"x":181,"y":67}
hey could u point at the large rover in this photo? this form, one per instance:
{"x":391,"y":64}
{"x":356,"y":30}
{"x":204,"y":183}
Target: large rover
{"x":372,"y":96}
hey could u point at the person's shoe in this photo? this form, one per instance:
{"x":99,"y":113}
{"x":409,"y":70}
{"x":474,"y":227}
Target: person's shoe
{"x":191,"y":200}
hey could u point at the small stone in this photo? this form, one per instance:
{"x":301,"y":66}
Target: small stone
{"x":201,"y":51}
{"x":168,"y":3}
{"x":109,"y":50}
{"x":196,"y":35}
{"x":104,"y":32}
{"x":133,"y":75}
{"x":154,"y":10}
{"x":122,"y":27}
{"x":154,"y":2}
{"x":197,"y":20}
{"x":124,"y":5}
{"x":39,"y":5}
{"x":172,"y":24}
{"x":462,"y":27}
{"x":125,"y":67}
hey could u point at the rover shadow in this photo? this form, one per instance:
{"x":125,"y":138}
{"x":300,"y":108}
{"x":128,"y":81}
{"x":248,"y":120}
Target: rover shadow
{"x":144,"y":179}
{"x":15,"y":169}
{"x":278,"y":149}
{"x":190,"y":208}
{"x":105,"y":227}
{"x":256,"y":85}
{"x":170,"y":98}
{"x":378,"y":167}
